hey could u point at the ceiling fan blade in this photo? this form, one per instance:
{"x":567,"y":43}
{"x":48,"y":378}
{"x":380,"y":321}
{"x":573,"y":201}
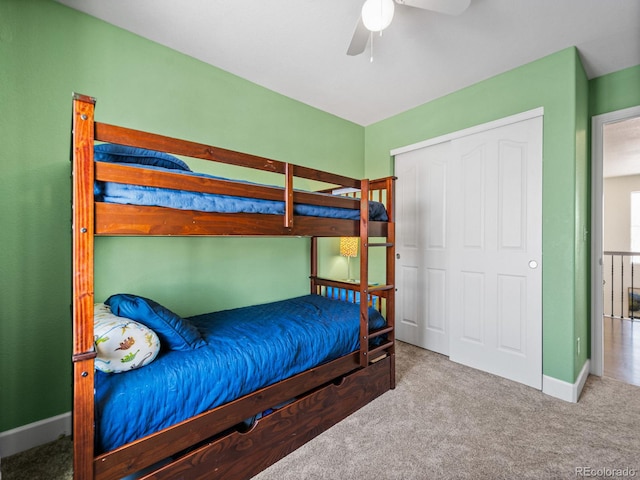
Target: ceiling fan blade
{"x":359,"y":39}
{"x":449,"y":7}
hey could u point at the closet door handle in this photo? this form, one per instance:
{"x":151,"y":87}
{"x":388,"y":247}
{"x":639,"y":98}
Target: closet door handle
{"x":398,"y":256}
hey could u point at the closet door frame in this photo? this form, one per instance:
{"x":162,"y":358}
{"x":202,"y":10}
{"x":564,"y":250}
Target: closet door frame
{"x":529,"y":114}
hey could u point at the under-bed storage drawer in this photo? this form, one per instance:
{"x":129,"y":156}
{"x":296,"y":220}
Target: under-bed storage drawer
{"x":243,"y":455}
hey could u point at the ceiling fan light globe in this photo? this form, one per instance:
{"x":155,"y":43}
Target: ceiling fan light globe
{"x":377,"y":14}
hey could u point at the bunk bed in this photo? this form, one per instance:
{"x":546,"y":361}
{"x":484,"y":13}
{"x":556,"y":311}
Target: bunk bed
{"x":238,"y":433}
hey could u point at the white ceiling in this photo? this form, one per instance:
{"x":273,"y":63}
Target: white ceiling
{"x":621,"y":148}
{"x":298,"y":47}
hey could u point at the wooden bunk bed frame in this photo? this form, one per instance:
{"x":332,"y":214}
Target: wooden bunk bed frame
{"x":208,"y":445}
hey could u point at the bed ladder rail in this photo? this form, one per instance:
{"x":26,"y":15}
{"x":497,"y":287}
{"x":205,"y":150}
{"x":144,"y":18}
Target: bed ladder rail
{"x":384,"y":346}
{"x":370,"y":353}
{"x":385,"y":293}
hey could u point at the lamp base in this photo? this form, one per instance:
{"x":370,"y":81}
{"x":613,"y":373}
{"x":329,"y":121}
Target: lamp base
{"x":349,"y":277}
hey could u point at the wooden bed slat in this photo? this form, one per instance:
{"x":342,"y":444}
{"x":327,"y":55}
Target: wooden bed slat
{"x":115,"y":219}
{"x":126,"y":174}
{"x":318,"y":282}
{"x":127,"y":136}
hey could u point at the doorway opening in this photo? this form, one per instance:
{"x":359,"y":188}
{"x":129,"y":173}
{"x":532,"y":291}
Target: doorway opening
{"x":615,"y":346}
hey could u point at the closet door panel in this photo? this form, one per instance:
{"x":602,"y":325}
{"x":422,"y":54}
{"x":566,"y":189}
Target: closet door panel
{"x":421,"y":245}
{"x":496,"y":251}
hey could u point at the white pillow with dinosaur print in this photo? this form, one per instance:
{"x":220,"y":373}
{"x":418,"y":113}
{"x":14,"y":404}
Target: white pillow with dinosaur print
{"x":121,"y":343}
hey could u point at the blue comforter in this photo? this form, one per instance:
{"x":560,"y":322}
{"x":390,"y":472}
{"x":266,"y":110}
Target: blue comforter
{"x":208,"y":202}
{"x":246,"y":349}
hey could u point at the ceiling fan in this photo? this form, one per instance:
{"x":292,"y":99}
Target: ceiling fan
{"x":377,"y":15}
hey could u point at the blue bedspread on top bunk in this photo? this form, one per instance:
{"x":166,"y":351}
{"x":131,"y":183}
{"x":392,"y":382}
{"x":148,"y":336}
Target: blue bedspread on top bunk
{"x":246,"y":349}
{"x":207,"y":202}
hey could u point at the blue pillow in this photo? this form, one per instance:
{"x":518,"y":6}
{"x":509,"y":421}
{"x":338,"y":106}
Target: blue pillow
{"x":109,"y":152}
{"x":173,"y":331}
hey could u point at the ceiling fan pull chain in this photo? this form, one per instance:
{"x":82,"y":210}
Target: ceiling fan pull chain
{"x":371,"y":45}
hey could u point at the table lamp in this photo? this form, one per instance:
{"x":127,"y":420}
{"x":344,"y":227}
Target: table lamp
{"x":349,"y":249}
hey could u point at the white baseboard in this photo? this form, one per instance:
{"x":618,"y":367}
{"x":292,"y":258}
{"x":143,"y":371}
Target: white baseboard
{"x":34,"y":434}
{"x":569,"y":392}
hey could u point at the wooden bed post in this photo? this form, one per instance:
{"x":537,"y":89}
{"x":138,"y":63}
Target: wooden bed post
{"x":364,"y":273}
{"x":314,"y":264}
{"x":288,"y":196}
{"x":391,"y":274}
{"x":83,"y":278}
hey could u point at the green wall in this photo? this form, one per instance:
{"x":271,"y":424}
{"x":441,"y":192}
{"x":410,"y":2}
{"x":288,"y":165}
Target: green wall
{"x":558,"y":84}
{"x":615,"y":91}
{"x":48,"y":51}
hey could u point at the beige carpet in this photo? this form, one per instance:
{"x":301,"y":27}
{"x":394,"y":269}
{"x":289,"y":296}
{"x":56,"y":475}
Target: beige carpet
{"x":53,"y":461}
{"x":447,"y":421}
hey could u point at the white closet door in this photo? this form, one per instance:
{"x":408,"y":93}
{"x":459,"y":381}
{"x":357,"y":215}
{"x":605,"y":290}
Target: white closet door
{"x":495,"y":263}
{"x":469,"y":241}
{"x":421,"y":246}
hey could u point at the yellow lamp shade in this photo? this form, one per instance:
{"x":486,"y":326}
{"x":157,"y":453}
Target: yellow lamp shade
{"x":349,"y":246}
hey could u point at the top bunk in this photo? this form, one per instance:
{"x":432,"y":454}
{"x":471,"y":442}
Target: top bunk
{"x":120,"y":197}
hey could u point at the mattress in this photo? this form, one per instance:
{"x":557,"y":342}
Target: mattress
{"x":112,"y":192}
{"x":246,"y":349}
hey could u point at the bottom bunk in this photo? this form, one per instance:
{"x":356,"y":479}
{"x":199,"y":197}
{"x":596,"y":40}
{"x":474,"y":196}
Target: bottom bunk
{"x":252,"y":383}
